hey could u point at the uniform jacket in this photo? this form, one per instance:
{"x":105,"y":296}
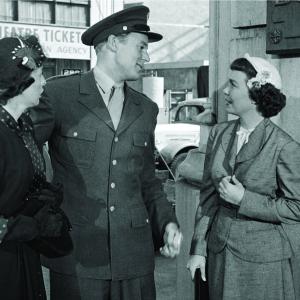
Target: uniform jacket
{"x":265,"y":227}
{"x":111,"y":194}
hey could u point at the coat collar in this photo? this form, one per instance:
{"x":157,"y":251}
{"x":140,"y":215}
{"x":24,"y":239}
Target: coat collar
{"x":91,"y":98}
{"x":249,"y":150}
{"x":256,"y":141}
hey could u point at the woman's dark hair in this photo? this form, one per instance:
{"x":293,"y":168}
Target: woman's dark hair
{"x":268,"y":99}
{"x":16,"y":77}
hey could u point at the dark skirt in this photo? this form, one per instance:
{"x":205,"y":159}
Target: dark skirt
{"x":230,"y":278}
{"x":20,"y":273}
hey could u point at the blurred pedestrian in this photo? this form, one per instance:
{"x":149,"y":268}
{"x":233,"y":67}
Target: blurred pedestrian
{"x":247,"y":223}
{"x":101,"y":142}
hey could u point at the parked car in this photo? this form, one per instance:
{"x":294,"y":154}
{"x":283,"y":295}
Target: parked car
{"x":192,"y":122}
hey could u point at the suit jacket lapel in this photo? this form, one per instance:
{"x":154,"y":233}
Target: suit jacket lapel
{"x":229,"y":144}
{"x":91,"y":98}
{"x":131,"y":111}
{"x":255,"y":142}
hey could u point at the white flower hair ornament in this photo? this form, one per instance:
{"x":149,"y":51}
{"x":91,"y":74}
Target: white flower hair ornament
{"x":266,"y":73}
{"x":259,"y":80}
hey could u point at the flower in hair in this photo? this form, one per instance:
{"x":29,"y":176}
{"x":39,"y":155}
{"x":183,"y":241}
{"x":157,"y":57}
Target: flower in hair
{"x":260,"y":79}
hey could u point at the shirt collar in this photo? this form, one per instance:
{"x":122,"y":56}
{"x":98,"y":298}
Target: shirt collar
{"x":104,"y":81}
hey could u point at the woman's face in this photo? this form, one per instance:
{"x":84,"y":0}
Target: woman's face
{"x":33,"y":92}
{"x":236,"y":92}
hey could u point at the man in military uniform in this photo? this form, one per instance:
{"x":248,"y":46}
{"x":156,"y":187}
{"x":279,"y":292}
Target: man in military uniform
{"x":101,"y":143}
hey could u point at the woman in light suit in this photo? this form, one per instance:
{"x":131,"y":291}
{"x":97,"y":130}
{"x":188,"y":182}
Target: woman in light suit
{"x":247,"y":223}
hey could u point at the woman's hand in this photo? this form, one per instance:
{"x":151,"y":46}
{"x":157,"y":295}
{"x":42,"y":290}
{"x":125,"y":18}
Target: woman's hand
{"x":231,"y":190}
{"x":197,"y":262}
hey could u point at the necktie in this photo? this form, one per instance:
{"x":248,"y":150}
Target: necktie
{"x":115,"y":104}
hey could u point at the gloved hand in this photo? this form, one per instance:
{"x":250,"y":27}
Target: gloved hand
{"x":50,"y":221}
{"x":50,"y":194}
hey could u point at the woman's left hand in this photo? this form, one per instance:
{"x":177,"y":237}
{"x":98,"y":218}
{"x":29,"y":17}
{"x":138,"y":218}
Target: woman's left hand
{"x":231,"y":190}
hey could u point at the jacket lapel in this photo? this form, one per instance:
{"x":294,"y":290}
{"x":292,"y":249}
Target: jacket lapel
{"x":255,"y":142}
{"x":229,"y":144}
{"x":91,"y":98}
{"x":131,"y":111}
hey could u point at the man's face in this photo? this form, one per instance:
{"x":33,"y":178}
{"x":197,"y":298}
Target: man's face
{"x":131,"y":55}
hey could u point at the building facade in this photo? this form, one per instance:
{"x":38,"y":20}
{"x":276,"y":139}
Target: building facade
{"x":58,"y":25}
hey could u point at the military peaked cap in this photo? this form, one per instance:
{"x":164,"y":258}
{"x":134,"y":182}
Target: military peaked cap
{"x":132,"y":19}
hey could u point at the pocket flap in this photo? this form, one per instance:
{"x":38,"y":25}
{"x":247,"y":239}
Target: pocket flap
{"x":139,"y":217}
{"x":79,"y":133}
{"x":140,"y":140}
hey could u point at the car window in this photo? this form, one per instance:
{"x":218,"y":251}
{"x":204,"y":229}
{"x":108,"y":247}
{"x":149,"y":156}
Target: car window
{"x":189,"y":113}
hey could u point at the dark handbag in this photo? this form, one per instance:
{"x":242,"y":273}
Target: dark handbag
{"x":52,"y":247}
{"x":48,"y":201}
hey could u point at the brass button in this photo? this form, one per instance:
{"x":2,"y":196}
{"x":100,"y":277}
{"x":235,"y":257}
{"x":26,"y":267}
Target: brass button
{"x":114,"y":162}
{"x":75,"y":133}
{"x":112,"y":208}
{"x":145,"y":144}
{"x":116,"y":139}
{"x":112,"y":185}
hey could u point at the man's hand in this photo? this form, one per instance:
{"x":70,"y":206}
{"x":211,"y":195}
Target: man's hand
{"x":197,"y":262}
{"x":172,"y":240}
{"x":231,"y":190}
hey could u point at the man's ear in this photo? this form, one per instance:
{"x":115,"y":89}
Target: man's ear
{"x":112,"y":42}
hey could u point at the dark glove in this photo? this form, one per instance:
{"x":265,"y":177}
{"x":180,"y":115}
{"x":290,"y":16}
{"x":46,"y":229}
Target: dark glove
{"x":21,"y":228}
{"x":50,"y":194}
{"x":50,"y":221}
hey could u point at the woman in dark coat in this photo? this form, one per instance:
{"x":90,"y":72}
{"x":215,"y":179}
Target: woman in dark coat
{"x":247,"y":224}
{"x":24,"y":203}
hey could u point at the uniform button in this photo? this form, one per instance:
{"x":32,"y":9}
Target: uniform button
{"x":147,"y":220}
{"x":0,"y":241}
{"x":0,"y":231}
{"x":112,"y":185}
{"x":4,"y":225}
{"x":112,"y":208}
{"x":75,"y":133}
{"x":116,"y":139}
{"x":114,"y":162}
{"x":145,"y":144}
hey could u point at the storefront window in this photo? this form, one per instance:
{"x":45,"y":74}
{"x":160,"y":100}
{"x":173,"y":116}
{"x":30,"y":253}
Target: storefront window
{"x":6,"y":10}
{"x":33,"y":11}
{"x":75,"y":15}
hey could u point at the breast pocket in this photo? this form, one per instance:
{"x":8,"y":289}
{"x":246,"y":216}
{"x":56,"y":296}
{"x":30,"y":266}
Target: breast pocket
{"x":140,"y":143}
{"x":77,"y":146}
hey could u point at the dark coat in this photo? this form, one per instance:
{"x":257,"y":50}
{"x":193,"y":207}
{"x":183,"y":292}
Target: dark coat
{"x":20,"y":267}
{"x":266,"y":226}
{"x":111,"y":194}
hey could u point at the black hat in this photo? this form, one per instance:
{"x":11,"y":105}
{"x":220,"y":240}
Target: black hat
{"x":17,"y":57}
{"x":132,"y":19}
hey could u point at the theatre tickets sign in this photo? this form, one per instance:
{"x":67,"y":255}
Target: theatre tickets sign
{"x":57,"y":42}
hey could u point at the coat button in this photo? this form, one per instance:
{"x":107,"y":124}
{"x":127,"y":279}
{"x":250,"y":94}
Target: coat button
{"x":114,"y":162}
{"x":112,"y":185}
{"x":75,"y":133}
{"x":147,"y":221}
{"x":145,"y":144}
{"x":4,"y":225}
{"x":116,"y":139}
{"x":112,"y":208}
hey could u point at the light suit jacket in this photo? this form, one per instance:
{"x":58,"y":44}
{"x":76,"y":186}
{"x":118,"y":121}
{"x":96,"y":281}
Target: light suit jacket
{"x":266,"y":226}
{"x":111,"y":194}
